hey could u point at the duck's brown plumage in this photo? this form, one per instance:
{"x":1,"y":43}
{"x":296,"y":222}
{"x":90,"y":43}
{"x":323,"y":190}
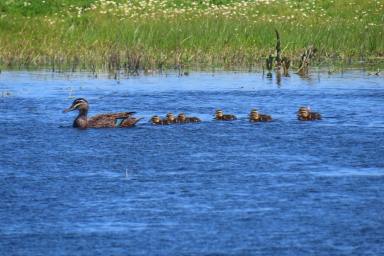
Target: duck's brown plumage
{"x":304,"y":114}
{"x":113,"y":120}
{"x":183,"y":119}
{"x":261,"y":118}
{"x":254,"y":116}
{"x":312,"y":116}
{"x":170,"y":119}
{"x":109,"y":120}
{"x":156,"y":120}
{"x":193,"y":119}
{"x":224,"y":117}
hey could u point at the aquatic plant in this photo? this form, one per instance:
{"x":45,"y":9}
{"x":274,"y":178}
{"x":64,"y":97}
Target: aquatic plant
{"x":306,"y":59}
{"x":280,"y":63}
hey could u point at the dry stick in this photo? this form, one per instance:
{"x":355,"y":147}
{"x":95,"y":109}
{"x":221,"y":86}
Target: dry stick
{"x":305,"y":60}
{"x":281,"y":61}
{"x":278,"y":50}
{"x":286,"y":64}
{"x":269,"y":60}
{"x":178,"y":61}
{"x":269,"y":63}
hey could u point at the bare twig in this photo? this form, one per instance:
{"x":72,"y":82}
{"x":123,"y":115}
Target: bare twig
{"x":306,"y":60}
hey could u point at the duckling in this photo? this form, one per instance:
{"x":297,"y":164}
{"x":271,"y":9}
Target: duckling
{"x":170,"y":119}
{"x":220,"y":116}
{"x":156,"y":120}
{"x":254,"y":116}
{"x":182,"y":119}
{"x":110,"y":120}
{"x":304,"y":114}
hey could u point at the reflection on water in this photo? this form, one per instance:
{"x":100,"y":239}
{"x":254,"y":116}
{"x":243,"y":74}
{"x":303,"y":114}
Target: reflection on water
{"x":279,"y":188}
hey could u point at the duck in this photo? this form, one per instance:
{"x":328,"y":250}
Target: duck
{"x":254,"y":116}
{"x":182,"y":119}
{"x":304,"y":114}
{"x":219,"y":115}
{"x":110,"y":120}
{"x":156,"y":120}
{"x":170,"y":119}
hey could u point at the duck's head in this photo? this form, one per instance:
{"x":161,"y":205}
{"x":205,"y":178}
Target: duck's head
{"x":170,"y":117}
{"x":182,"y":117}
{"x":219,"y":113}
{"x":155,"y":119}
{"x":303,"y":112}
{"x":254,"y":114}
{"x":80,"y":104}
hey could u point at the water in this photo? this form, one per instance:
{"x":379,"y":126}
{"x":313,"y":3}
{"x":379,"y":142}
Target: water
{"x":280,"y":188}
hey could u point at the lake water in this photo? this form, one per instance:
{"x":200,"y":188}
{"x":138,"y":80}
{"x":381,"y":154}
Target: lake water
{"x":214,"y":188}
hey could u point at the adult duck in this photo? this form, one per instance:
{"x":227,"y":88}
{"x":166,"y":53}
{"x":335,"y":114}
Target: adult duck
{"x":110,"y":120}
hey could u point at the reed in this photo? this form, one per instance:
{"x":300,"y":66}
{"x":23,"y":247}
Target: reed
{"x":152,"y":35}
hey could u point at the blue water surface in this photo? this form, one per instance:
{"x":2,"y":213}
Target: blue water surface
{"x":213,"y":188}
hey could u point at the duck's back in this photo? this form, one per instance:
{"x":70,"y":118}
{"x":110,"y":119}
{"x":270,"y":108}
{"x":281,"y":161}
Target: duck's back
{"x":314,"y":116}
{"x":226,"y":117}
{"x":109,"y":120}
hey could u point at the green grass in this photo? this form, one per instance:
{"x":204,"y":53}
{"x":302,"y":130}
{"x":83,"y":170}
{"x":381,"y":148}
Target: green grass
{"x":101,"y":34}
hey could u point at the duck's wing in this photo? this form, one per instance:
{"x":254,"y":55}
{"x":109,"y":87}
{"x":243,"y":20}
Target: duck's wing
{"x":129,"y":122}
{"x":108,"y":120}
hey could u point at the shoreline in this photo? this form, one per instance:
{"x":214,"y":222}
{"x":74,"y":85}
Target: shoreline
{"x":121,"y":74}
{"x":330,"y":67}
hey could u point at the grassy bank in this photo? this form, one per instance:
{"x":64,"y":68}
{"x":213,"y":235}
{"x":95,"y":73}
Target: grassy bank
{"x":131,"y":34}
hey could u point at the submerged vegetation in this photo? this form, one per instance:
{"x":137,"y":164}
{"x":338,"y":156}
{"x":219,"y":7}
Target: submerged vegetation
{"x":156,"y":34}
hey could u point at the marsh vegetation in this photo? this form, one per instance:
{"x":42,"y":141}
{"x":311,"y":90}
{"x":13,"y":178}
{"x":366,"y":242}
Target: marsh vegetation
{"x":159,"y":34}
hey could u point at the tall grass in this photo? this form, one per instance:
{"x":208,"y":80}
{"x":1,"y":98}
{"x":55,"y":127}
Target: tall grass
{"x":157,"y":34}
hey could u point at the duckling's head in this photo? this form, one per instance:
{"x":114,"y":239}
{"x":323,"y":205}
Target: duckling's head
{"x":219,"y":113}
{"x":303,"y":112}
{"x":80,"y":104}
{"x":182,"y":117}
{"x":170,"y":117}
{"x":254,"y":114}
{"x":155,"y":119}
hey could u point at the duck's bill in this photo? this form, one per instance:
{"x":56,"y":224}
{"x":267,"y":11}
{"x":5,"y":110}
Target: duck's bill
{"x":68,"y":110}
